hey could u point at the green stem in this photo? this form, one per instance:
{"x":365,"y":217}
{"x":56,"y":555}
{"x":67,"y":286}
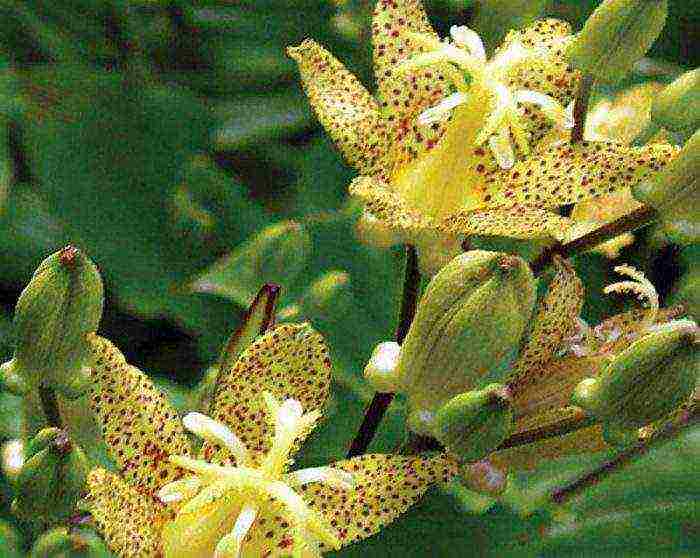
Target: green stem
{"x":380,"y":403}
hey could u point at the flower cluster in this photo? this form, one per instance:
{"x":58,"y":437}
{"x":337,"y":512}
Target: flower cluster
{"x":455,"y":143}
{"x":235,"y":496}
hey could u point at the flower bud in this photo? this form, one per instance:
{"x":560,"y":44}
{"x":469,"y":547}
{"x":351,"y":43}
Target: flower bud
{"x":618,"y":34}
{"x":380,"y":371}
{"x":277,"y":254}
{"x":677,"y":107}
{"x":473,"y":424}
{"x":63,"y":541}
{"x":51,"y":479}
{"x":675,"y":193}
{"x":54,"y":314}
{"x":644,"y":383}
{"x":467,"y":328}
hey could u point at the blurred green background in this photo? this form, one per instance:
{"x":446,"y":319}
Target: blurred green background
{"x":161,"y":137}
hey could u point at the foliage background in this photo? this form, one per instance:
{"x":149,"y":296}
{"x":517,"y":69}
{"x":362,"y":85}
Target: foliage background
{"x":160,"y":136}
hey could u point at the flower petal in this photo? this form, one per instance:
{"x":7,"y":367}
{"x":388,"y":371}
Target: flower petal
{"x":289,"y":361}
{"x":553,"y":323}
{"x":404,"y":95}
{"x":131,"y":522}
{"x":388,"y":206}
{"x":139,"y":425}
{"x":570,"y":173}
{"x":586,"y":440}
{"x":514,"y":222}
{"x":547,"y":73}
{"x":344,"y":107}
{"x":385,"y":487}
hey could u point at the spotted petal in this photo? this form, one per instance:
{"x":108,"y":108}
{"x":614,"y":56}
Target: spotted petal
{"x":345,"y":108}
{"x":385,"y":487}
{"x":404,"y":95}
{"x":388,"y":206}
{"x":586,"y":440}
{"x":289,"y":361}
{"x":514,"y":222}
{"x":131,"y":522}
{"x":554,"y":322}
{"x":139,"y":425}
{"x":570,"y":173}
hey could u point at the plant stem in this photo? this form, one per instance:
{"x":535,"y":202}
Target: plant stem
{"x":49,"y":405}
{"x":627,"y":223}
{"x":581,"y":108}
{"x":568,"y":491}
{"x":380,"y":403}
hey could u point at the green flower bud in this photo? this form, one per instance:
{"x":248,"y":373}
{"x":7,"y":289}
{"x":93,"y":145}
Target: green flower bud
{"x":475,"y":423}
{"x":51,"y":480}
{"x":278,"y":254}
{"x":677,"y":107}
{"x":675,"y":193}
{"x":650,"y":379}
{"x":63,"y":542}
{"x":467,"y":329}
{"x":54,"y":314}
{"x":618,"y":34}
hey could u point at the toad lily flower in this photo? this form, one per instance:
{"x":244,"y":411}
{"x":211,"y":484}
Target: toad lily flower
{"x":235,"y":496}
{"x":459,"y":144}
{"x":562,"y":351}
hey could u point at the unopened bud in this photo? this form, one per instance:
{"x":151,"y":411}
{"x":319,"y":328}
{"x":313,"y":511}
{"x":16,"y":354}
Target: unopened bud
{"x":677,"y":107}
{"x":57,"y":310}
{"x":278,"y":254}
{"x":51,"y":480}
{"x":615,"y":36}
{"x":647,"y":381}
{"x":467,"y":329}
{"x":675,"y":193}
{"x":380,"y":371}
{"x":473,"y":424}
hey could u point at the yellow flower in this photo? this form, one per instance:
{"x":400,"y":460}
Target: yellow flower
{"x":458,"y":144}
{"x":561,"y":352}
{"x":235,"y":496}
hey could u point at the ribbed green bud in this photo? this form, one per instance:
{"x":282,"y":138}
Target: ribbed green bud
{"x":63,"y":542}
{"x":277,"y":254}
{"x":473,"y":424}
{"x":51,"y":479}
{"x":467,"y":328}
{"x":647,"y":381}
{"x":677,"y":107}
{"x":55,"y":312}
{"x":618,"y":34}
{"x":675,"y":193}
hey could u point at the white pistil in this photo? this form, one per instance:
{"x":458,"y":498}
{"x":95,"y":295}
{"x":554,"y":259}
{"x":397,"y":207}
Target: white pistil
{"x":231,"y":545}
{"x":217,"y":433}
{"x":327,"y":475}
{"x":468,"y":39}
{"x":442,"y":110}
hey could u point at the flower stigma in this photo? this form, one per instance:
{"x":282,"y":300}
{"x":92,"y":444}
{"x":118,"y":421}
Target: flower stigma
{"x":214,"y":496}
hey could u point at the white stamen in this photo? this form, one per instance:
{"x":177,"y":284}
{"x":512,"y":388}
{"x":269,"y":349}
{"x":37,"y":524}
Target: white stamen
{"x":550,"y":106}
{"x":511,"y":56}
{"x":179,"y":490}
{"x":469,"y":39}
{"x":442,"y":110}
{"x":231,"y":545}
{"x":502,"y":148}
{"x":289,"y":413}
{"x":217,"y":433}
{"x":327,"y":475}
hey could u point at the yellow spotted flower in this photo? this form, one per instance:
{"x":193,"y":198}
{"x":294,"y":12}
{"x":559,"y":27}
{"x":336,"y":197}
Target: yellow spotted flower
{"x":456,"y":143}
{"x":561,"y":351}
{"x":236,"y":495}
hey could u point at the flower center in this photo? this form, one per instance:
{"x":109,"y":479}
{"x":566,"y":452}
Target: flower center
{"x":214,"y":494}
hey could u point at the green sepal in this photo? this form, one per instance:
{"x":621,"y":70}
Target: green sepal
{"x":473,"y":424}
{"x":677,"y":106}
